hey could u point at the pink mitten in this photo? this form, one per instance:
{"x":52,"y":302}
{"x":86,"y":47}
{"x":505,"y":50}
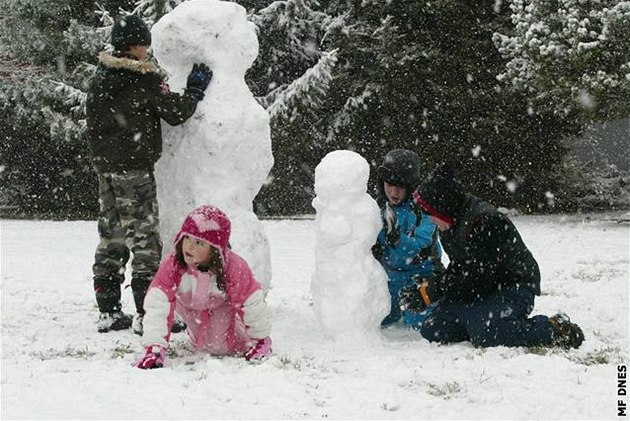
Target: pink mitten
{"x":153,"y":358}
{"x":260,"y":351}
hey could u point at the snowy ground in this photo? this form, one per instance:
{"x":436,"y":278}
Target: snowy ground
{"x":56,"y":366}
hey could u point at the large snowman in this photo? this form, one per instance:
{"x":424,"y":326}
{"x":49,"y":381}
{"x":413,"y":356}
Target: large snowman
{"x":222,"y":155}
{"x":349,"y":287}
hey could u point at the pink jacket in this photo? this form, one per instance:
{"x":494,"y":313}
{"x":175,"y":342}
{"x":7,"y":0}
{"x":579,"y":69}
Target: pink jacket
{"x":219,"y":322}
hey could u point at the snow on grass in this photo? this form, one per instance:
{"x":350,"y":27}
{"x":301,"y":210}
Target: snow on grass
{"x":56,"y":366}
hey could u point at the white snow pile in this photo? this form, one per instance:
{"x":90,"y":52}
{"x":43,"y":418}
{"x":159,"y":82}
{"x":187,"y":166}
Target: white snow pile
{"x":222,"y":155}
{"x":349,"y":286}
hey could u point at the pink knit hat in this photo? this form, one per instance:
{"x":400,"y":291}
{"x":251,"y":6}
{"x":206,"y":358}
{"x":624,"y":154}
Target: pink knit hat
{"x":207,"y":223}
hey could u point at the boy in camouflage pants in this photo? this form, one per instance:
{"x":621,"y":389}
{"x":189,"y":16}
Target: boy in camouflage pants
{"x":125,"y":104}
{"x":128,"y":220}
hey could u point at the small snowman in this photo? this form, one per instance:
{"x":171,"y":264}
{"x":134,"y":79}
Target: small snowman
{"x":349,"y":287}
{"x":222,"y":155}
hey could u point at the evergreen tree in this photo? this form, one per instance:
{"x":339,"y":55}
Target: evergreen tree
{"x":366,"y":75}
{"x":44,"y":155}
{"x":570,"y":53}
{"x":422,"y":75}
{"x":288,"y":32}
{"x":296,"y":144}
{"x":572,"y":56}
{"x":291,"y":78}
{"x":153,"y":10}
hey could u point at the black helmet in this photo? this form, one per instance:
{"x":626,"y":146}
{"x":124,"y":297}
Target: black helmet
{"x":401,"y":168}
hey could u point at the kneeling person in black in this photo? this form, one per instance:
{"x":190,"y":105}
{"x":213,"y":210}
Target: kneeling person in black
{"x":487,"y":291}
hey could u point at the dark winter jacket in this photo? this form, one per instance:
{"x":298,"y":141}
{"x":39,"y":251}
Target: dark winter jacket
{"x":124,"y":106}
{"x":486,"y":253}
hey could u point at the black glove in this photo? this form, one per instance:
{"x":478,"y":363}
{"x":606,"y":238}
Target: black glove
{"x":391,"y":226}
{"x":417,"y":297}
{"x":377,"y":251}
{"x":198,"y":80}
{"x":410,"y":298}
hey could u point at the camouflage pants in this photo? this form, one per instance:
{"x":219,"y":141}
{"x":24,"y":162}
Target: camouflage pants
{"x":128,"y":223}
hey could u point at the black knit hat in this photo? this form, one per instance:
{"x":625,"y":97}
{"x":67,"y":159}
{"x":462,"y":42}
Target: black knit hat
{"x":130,"y":30}
{"x":401,"y":168}
{"x":441,"y":194}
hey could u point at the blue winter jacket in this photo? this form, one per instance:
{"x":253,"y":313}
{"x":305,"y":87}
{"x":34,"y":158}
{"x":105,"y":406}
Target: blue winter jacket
{"x":418,"y":250}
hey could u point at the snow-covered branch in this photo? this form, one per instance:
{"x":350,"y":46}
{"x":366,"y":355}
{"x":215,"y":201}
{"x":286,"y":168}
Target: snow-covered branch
{"x":310,"y":89}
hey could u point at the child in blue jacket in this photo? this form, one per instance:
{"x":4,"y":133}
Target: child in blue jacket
{"x":408,"y":246}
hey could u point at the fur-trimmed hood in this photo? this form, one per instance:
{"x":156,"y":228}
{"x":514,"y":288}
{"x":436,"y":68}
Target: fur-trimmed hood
{"x":110,"y":61}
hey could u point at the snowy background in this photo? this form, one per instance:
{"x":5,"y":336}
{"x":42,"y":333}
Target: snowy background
{"x":56,"y":366}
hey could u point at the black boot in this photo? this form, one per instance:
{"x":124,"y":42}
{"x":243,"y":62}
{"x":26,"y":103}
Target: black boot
{"x":115,"y":320}
{"x":566,"y":334}
{"x":138,"y":324}
{"x":178,"y":325}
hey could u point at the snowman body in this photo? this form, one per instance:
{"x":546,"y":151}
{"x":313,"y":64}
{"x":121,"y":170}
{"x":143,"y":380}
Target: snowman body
{"x":222,"y":154}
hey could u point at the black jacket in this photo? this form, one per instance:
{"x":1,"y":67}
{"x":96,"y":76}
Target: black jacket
{"x":486,"y":253}
{"x":124,"y":106}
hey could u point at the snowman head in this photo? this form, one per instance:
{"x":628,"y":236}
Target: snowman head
{"x":342,"y":176}
{"x":210,"y":31}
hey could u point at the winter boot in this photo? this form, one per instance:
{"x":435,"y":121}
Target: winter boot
{"x":136,"y":325}
{"x":565,"y":334}
{"x":390,"y":320}
{"x":115,"y":320}
{"x":178,"y":325}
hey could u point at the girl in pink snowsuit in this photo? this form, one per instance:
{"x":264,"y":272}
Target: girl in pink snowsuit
{"x":212,"y":289}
